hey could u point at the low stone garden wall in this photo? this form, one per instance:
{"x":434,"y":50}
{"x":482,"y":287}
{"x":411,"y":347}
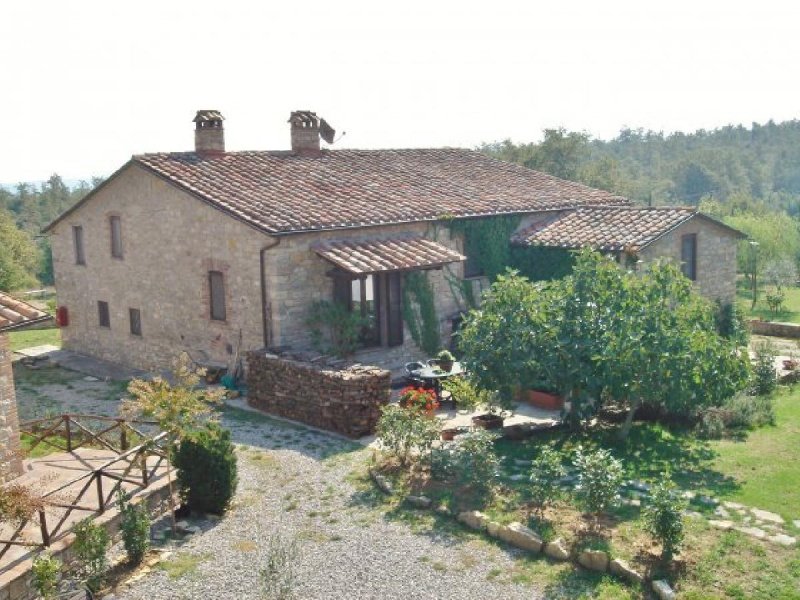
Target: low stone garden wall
{"x":332,"y":396}
{"x":785,"y":330}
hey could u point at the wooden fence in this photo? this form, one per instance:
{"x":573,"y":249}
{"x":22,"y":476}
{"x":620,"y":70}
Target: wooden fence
{"x":129,"y":466}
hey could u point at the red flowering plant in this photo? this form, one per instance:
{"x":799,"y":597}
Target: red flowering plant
{"x":418,"y":398}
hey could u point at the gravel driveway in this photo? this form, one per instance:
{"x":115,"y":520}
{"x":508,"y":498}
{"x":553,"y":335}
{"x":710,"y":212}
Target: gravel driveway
{"x":351,"y":543}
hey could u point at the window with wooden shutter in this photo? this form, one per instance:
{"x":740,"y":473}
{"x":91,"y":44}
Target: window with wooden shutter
{"x":116,"y":237}
{"x":136,"y":321}
{"x":103,"y":316}
{"x":77,"y":238}
{"x":216,"y":284}
{"x":689,"y":255}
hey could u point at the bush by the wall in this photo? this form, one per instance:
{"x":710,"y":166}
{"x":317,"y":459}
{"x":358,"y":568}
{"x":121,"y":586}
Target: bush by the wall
{"x":135,"y":528}
{"x":90,"y":547}
{"x":45,"y":570}
{"x":207,"y":471}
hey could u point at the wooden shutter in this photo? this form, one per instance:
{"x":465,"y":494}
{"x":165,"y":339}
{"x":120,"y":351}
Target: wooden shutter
{"x":77,"y":235}
{"x":216,"y":284}
{"x":136,"y":321}
{"x":689,"y":255}
{"x":116,"y":237}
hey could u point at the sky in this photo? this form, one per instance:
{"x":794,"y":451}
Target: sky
{"x":87,"y":84}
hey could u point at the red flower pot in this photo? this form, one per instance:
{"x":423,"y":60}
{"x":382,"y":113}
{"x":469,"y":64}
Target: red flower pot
{"x":488,"y":421}
{"x":544,"y":400}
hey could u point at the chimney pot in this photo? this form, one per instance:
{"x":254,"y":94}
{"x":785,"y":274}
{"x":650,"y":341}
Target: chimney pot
{"x":305,"y":133}
{"x":209,"y":134}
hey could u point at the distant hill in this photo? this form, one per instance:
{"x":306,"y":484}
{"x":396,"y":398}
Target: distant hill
{"x":730,"y":164}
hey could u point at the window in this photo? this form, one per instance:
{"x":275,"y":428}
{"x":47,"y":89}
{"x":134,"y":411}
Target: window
{"x":136,"y":321}
{"x":472,"y":267}
{"x":77,"y":238}
{"x":216,"y":285}
{"x":689,"y":255}
{"x":377,"y":298}
{"x":103,"y":317}
{"x":116,"y":237}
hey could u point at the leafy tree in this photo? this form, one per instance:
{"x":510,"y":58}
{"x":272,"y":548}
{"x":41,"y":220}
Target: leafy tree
{"x":546,"y":471}
{"x":600,"y":476}
{"x":663,"y":516}
{"x":19,"y":257}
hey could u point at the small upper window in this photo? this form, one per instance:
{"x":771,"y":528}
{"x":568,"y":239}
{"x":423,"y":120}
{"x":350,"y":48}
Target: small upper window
{"x":689,"y":255}
{"x":103,"y":317}
{"x":216,"y":284}
{"x":116,"y":237}
{"x":472,"y":267}
{"x":77,"y":238}
{"x":136,"y":321}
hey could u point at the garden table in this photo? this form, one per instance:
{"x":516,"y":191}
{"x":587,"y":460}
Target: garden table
{"x":436,"y":375}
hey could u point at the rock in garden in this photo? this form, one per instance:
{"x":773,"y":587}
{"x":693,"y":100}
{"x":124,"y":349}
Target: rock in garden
{"x":516,"y":534}
{"x":557,"y":550}
{"x":782,"y":539}
{"x":754,"y":532}
{"x":663,"y":590}
{"x":722,"y":513}
{"x":518,"y":477}
{"x":419,"y":501}
{"x":594,"y":560}
{"x":473,"y":519}
{"x":724,"y":525}
{"x":707,"y":500}
{"x":182,"y":527}
{"x":623,"y":570}
{"x":765,"y":515}
{"x":796,"y":523}
{"x":493,"y":528}
{"x":383,"y":484}
{"x":733,"y":505}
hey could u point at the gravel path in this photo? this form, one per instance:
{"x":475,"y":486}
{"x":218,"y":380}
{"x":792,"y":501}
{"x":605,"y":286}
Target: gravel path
{"x":350,"y":543}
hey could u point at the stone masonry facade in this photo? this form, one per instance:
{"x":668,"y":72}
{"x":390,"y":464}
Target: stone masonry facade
{"x":10,"y":457}
{"x":171,"y":240}
{"x":716,"y":256}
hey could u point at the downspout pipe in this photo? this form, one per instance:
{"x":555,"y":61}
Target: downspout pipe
{"x":264,"y":316}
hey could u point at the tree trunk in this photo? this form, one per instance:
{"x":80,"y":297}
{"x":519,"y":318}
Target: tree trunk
{"x":626,"y":427}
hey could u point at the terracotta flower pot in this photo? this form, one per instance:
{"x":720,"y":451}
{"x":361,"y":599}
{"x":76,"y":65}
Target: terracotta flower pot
{"x":446,"y":365}
{"x":448,"y":435}
{"x":488,"y":421}
{"x":544,"y":400}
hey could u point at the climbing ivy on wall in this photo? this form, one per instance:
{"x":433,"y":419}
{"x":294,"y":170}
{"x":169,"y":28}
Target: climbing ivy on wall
{"x":419,"y":311}
{"x":539,"y":263}
{"x":487,"y":241}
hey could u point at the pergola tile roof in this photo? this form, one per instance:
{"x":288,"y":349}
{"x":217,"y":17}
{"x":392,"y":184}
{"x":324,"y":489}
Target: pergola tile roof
{"x":279,"y":192}
{"x":375,"y":256}
{"x":16,"y":313}
{"x":611,"y":229}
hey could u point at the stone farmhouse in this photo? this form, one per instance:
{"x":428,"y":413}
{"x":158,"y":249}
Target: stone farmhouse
{"x":214,"y":252}
{"x":14,"y":314}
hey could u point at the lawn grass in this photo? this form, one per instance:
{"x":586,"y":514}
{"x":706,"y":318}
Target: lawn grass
{"x":759,"y":468}
{"x":29,"y":338}
{"x":791,"y":304}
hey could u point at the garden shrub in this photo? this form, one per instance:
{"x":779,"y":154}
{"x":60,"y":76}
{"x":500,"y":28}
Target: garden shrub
{"x":207,"y":473}
{"x":467,"y":394}
{"x":546,"y":470}
{"x":750,"y":411}
{"x":45,"y":570}
{"x":473,"y":459}
{"x":278,"y":577}
{"x":334,"y":329}
{"x":663,"y":516}
{"x":710,"y":425}
{"x":599,"y":479}
{"x":764,"y":375}
{"x":90,"y":548}
{"x":404,"y":433}
{"x":730,"y":323}
{"x":135,"y":528}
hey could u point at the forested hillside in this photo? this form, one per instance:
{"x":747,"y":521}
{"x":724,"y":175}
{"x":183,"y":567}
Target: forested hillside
{"x":732,"y":164}
{"x":24,"y":253}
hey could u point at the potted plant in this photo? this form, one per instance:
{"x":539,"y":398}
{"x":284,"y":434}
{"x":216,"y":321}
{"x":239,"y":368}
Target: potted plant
{"x":541,"y":395}
{"x":495,"y":403}
{"x":418,"y":398}
{"x":446,"y":360}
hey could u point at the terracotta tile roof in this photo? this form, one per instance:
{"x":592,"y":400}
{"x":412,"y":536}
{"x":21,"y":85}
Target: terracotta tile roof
{"x":605,"y":228}
{"x":279,"y":192}
{"x":16,"y":313}
{"x":374,"y":256}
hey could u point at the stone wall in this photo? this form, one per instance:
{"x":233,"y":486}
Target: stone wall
{"x":716,"y":256}
{"x":170,"y":242}
{"x":785,"y":330}
{"x":10,"y":457}
{"x":346,"y":400}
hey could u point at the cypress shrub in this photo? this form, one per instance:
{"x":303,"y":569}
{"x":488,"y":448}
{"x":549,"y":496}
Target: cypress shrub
{"x":206,"y":464}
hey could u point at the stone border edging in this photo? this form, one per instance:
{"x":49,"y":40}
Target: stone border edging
{"x":519,"y":536}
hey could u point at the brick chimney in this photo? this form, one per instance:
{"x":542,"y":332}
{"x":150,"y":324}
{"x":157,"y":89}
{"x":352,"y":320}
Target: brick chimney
{"x":209,"y":135}
{"x":305,"y":133}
